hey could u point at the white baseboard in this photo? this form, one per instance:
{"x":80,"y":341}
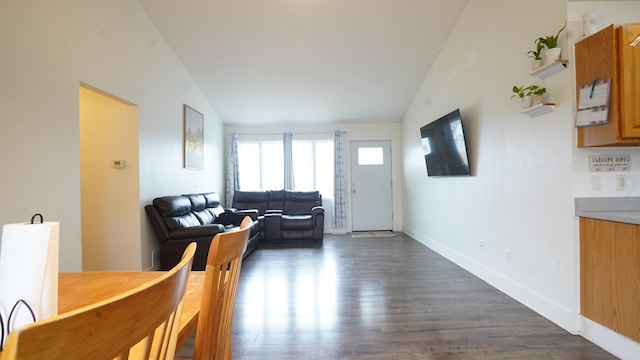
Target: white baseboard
{"x":339,"y":231}
{"x":616,"y":344}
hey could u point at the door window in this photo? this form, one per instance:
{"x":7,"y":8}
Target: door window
{"x":370,"y":156}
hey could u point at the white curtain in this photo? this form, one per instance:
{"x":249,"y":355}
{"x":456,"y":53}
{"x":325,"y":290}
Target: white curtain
{"x":233,"y":182}
{"x":287,"y":144}
{"x":339,"y":219}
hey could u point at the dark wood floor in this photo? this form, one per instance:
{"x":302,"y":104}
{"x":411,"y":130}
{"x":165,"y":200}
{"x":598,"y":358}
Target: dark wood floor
{"x":383,"y":298}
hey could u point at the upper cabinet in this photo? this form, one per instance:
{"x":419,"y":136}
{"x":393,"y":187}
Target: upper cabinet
{"x":612,"y":53}
{"x":629,"y":35}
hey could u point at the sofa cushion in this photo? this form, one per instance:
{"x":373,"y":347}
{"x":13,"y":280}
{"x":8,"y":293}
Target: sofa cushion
{"x":206,"y":207}
{"x":182,"y":221}
{"x":215,"y":212}
{"x":172,"y":205}
{"x":301,"y":203}
{"x":276,"y":199}
{"x":205,"y":216}
{"x":296,"y":222}
{"x":245,"y":200}
{"x":175,"y":210}
{"x":213,"y":204}
{"x":303,"y":196}
{"x":213,"y":200}
{"x":198,"y":202}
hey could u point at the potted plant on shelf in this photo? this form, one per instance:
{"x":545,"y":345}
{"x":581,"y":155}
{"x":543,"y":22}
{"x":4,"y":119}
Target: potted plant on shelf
{"x":536,"y":55}
{"x":525,"y":95}
{"x":538,"y":94}
{"x":552,"y":51}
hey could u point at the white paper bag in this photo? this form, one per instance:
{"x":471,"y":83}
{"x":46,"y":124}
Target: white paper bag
{"x":28,"y":272}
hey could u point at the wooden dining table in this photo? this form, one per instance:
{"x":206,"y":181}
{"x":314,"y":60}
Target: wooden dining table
{"x":79,"y":289}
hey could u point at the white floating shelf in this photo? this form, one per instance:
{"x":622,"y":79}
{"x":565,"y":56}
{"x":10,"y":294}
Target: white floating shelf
{"x":540,"y":109}
{"x":550,"y":69}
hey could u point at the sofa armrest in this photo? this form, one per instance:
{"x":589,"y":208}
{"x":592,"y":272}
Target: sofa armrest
{"x":235,"y":218}
{"x":197,"y":231}
{"x":252,"y":213}
{"x":272,"y":225}
{"x":317,"y":210}
{"x":157,"y":223}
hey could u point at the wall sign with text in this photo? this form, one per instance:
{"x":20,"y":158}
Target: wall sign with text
{"x":604,"y":163}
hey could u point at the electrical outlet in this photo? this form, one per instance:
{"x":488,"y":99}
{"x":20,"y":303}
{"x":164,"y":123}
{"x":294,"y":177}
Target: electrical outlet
{"x":621,"y":182}
{"x":596,"y":183}
{"x":482,"y":245}
{"x":507,"y":255}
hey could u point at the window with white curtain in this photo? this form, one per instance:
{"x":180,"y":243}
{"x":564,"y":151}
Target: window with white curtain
{"x":261,"y":163}
{"x":313,"y":165}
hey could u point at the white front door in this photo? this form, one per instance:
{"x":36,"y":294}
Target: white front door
{"x":371,"y":200}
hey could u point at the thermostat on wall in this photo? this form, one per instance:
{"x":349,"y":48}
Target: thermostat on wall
{"x":118,"y":164}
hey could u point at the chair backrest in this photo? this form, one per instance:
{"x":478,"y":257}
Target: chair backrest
{"x":213,"y":335}
{"x":139,"y":324}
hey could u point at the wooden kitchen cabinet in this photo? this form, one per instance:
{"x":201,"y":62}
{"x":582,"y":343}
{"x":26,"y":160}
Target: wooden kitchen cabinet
{"x":613,"y":52}
{"x":629,"y":40}
{"x":610,"y":275}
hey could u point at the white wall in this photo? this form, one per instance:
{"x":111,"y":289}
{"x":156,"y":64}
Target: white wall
{"x":526,"y":171}
{"x":354,"y":131}
{"x":49,"y":48}
{"x":519,"y":197}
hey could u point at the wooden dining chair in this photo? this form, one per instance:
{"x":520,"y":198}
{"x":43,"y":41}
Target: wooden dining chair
{"x":138,"y":324}
{"x":213,"y":334}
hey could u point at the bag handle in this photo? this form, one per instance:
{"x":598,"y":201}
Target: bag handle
{"x":33,"y":218}
{"x":13,"y":309}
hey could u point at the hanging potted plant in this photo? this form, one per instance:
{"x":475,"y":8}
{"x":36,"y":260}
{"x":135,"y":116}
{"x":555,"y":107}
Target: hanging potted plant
{"x":536,"y":55}
{"x":552,"y":51}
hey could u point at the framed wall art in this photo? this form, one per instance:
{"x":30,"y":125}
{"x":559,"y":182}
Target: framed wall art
{"x":193,"y":139}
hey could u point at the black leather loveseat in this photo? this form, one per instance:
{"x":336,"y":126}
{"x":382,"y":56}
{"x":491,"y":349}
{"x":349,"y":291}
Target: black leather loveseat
{"x":284,"y":216}
{"x":179,"y":220}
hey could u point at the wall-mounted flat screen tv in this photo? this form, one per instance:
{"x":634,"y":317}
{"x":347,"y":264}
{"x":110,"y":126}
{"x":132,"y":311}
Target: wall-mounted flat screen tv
{"x":445,"y":147}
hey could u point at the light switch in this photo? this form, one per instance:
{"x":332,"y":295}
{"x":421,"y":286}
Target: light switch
{"x":621,"y":182}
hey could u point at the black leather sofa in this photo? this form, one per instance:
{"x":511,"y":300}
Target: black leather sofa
{"x":181,"y":219}
{"x":284,"y":216}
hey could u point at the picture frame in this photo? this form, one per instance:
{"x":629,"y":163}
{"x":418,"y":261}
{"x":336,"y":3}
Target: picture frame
{"x":193,"y":139}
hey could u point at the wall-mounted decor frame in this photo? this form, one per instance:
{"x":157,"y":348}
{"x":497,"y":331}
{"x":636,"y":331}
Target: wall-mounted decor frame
{"x":193,"y":139}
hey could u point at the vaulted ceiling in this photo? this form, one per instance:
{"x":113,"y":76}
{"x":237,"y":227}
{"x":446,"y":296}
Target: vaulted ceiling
{"x":306,"y":61}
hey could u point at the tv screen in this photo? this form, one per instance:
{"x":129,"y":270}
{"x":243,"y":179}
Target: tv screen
{"x":444,"y":146}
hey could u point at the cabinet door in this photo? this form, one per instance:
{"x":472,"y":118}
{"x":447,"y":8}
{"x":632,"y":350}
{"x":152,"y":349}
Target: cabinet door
{"x":610,"y":275}
{"x":597,"y":57}
{"x":629,"y":42}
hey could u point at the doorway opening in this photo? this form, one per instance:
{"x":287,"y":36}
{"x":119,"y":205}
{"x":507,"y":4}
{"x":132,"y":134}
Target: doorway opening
{"x":109,"y":182}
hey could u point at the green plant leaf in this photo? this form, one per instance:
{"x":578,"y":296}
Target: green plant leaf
{"x":551,"y":41}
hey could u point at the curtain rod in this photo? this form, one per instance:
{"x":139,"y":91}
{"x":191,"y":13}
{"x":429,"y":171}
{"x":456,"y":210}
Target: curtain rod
{"x":294,"y":133}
